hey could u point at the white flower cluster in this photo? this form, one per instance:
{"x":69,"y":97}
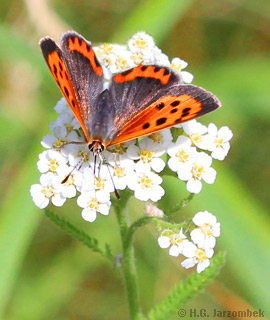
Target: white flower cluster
{"x":141,"y":49}
{"x":135,"y":165}
{"x":201,"y":248}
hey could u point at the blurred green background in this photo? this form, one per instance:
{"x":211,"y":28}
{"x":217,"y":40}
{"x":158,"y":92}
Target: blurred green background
{"x":45,"y":274}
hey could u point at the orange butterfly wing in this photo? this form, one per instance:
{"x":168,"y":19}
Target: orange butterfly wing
{"x":173,"y":105}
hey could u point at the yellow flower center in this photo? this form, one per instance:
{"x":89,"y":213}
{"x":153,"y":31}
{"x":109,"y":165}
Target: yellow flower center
{"x":182,"y":156}
{"x":121,"y":63}
{"x":195,"y":138}
{"x":119,"y":172}
{"x":82,"y":155}
{"x":175,"y":239}
{"x":100,"y":183}
{"x":146,"y":156}
{"x":177,"y":68}
{"x":48,"y":192}
{"x":137,"y":58}
{"x":218,"y":142}
{"x":200,"y":255}
{"x":104,"y":49}
{"x":207,"y":229}
{"x":53,"y":164}
{"x":93,"y":204}
{"x":145,"y":182}
{"x":197,"y":171}
{"x":58,"y":143}
{"x":140,"y":43}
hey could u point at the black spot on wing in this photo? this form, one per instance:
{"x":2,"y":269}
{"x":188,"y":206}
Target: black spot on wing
{"x":161,"y":121}
{"x":146,"y":125}
{"x":178,"y":120}
{"x":60,"y":66}
{"x":173,"y":110}
{"x":185,"y":111}
{"x":55,"y":70}
{"x":175,"y":103}
{"x":160,"y":106}
{"x":66,"y":91}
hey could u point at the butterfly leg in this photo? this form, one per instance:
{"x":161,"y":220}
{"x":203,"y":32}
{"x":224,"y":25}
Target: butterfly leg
{"x":71,"y":142}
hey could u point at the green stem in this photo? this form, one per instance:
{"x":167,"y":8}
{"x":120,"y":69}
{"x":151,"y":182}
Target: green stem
{"x":128,"y":266}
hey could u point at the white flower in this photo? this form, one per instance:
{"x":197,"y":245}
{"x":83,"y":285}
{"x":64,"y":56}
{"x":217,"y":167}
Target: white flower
{"x":182,"y":154}
{"x":148,"y":154}
{"x":197,"y":256}
{"x":178,"y":65}
{"x":219,"y":141}
{"x":163,"y":138}
{"x":68,"y":121}
{"x":60,"y":138}
{"x":91,"y":206}
{"x":121,"y":169}
{"x":51,"y":160}
{"x":62,"y":106}
{"x":198,"y":170}
{"x":122,"y":62}
{"x":101,"y":183}
{"x":79,"y":155}
{"x":197,"y":134}
{"x":49,"y":188}
{"x":146,"y":186}
{"x":209,"y":229}
{"x":72,"y":184}
{"x":141,"y":42}
{"x":175,"y":241}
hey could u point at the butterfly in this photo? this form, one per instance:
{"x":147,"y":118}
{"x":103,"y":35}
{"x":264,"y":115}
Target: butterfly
{"x":138,"y":102}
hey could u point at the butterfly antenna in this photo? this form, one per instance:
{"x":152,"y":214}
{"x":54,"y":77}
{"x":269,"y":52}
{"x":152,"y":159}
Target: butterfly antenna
{"x":77,"y":166}
{"x":115,"y":190}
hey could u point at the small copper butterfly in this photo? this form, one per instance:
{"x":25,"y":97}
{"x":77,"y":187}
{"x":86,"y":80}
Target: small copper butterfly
{"x":138,"y":102}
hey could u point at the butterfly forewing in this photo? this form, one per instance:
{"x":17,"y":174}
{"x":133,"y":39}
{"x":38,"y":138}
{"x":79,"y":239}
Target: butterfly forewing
{"x":55,"y":60}
{"x":172,"y":106}
{"x":86,"y":74}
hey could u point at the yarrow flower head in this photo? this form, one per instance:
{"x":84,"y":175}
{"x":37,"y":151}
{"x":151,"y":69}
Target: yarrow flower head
{"x":203,"y":239}
{"x":69,"y":170}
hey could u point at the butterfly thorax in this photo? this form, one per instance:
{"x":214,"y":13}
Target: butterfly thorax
{"x":100,"y":122}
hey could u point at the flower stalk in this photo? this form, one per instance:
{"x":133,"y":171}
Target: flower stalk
{"x":128,"y":261}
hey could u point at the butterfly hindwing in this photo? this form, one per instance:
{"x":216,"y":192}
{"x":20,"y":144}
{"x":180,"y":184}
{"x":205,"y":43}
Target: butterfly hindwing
{"x":132,"y":91}
{"x":172,"y":106}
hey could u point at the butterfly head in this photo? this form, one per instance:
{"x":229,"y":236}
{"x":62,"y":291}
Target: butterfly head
{"x":96,"y":147}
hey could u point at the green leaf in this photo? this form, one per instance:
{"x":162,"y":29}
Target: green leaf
{"x":185,"y":291}
{"x":80,"y":235}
